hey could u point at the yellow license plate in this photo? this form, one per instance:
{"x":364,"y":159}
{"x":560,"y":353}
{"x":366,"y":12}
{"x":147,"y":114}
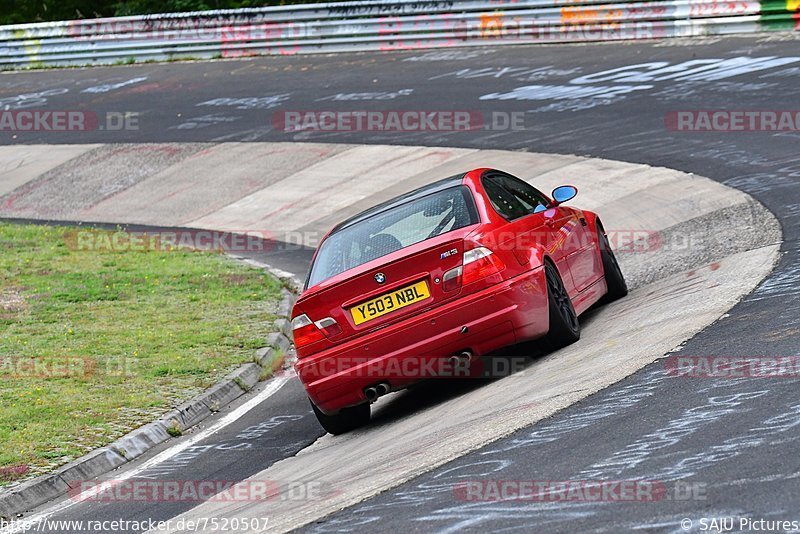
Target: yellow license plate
{"x":389,"y":302}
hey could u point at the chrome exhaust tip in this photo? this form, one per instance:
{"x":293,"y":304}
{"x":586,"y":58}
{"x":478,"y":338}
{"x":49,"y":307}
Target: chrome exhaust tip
{"x":382,"y":389}
{"x":371,"y":394}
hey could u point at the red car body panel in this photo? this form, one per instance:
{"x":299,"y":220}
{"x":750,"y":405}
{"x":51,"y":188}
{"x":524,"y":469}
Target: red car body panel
{"x":401,"y":347}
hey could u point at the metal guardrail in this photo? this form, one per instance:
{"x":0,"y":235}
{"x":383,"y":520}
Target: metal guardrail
{"x":370,"y":25}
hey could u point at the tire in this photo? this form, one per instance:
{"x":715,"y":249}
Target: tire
{"x":617,"y":287}
{"x":564,"y":326}
{"x":346,"y":420}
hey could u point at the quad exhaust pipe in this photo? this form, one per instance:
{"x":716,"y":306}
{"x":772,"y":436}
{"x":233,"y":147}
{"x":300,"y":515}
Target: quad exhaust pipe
{"x":373,"y":392}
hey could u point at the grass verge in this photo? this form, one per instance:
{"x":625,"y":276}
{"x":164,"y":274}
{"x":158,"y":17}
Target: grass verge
{"x":95,"y":344}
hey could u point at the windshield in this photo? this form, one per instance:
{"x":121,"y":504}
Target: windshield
{"x":393,"y":229}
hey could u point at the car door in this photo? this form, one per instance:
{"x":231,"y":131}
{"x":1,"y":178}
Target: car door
{"x":535,"y":224}
{"x":571,"y":239}
{"x":581,"y":250}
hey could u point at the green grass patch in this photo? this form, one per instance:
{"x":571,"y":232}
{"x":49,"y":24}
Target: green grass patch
{"x":95,"y":344}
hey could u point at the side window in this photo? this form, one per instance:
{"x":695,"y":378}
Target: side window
{"x":504,"y":203}
{"x":533,"y":200}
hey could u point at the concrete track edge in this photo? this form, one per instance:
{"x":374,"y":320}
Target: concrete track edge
{"x":731,"y":275}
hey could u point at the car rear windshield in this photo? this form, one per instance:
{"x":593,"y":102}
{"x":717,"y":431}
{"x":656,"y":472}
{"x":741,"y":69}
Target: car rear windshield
{"x":393,"y":229}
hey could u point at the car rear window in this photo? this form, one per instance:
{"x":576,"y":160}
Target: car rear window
{"x":393,"y":229}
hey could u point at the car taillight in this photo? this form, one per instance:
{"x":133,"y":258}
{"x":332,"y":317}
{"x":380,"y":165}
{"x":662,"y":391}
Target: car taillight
{"x":480,"y":263}
{"x":451,"y":280}
{"x":329,"y":326}
{"x":304,"y":331}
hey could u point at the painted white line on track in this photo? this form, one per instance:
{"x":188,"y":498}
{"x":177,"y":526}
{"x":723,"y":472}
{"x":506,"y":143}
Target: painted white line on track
{"x":27,"y":524}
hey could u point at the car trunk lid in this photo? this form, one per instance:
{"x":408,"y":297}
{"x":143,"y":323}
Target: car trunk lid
{"x":387,"y":289}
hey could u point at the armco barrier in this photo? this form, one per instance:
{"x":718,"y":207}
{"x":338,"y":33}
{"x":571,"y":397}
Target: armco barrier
{"x":372,"y":25}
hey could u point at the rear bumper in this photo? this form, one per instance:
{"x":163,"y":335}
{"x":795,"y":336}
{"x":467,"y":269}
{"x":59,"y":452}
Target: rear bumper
{"x":419,"y":347}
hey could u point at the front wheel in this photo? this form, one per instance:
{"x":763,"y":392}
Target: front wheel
{"x":617,"y":287}
{"x":346,"y":420}
{"x":564,"y":326}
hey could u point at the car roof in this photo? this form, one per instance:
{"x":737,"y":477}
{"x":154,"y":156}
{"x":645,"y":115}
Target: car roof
{"x":435,"y":187}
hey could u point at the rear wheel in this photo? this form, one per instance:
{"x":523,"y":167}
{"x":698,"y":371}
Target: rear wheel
{"x":617,"y":288}
{"x":564,"y":326}
{"x":346,"y":420}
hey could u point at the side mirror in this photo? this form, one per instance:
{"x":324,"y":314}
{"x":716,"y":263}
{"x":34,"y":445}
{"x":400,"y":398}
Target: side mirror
{"x":563,"y":193}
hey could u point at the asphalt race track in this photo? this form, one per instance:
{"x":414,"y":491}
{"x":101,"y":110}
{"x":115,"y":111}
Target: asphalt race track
{"x":733,"y":441}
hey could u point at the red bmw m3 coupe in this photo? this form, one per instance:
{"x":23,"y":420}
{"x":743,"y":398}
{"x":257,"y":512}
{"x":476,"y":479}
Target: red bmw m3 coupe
{"x":442,"y":276}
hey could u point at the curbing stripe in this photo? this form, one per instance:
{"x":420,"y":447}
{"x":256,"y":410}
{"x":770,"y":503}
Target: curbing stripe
{"x":95,"y":463}
{"x":279,"y":341}
{"x":32,"y":493}
{"x":185,"y":415}
{"x":246,"y":376}
{"x":141,"y":440}
{"x":220,"y":395}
